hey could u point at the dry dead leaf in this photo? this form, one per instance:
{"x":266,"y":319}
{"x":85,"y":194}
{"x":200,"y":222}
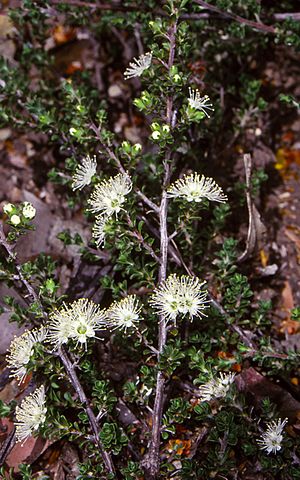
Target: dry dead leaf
{"x":63,"y":34}
{"x":256,"y":228}
{"x":285,"y":158}
{"x":252,"y":382}
{"x":290,"y":232}
{"x":26,"y":452}
{"x":7,"y":45}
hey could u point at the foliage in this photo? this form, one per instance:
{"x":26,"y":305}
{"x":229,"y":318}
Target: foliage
{"x":119,"y":369}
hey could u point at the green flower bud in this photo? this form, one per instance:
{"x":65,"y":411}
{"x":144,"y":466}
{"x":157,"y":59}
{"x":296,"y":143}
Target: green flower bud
{"x":137,"y":147}
{"x":155,"y":126}
{"x":126,"y":146}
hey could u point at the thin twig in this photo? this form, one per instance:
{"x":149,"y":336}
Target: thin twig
{"x":70,"y":369}
{"x":12,"y":256}
{"x":139,"y":237}
{"x":145,"y":341}
{"x":7,"y":445}
{"x":234,"y":328}
{"x":284,"y":16}
{"x":120,"y":7}
{"x":244,"y":21}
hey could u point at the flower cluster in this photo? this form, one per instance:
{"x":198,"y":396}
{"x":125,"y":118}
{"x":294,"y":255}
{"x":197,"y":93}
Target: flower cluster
{"x":216,"y":388}
{"x":84,"y":173}
{"x":31,"y":414}
{"x":124,"y":314}
{"x":78,"y":321}
{"x":271,"y":439}
{"x":138,"y":66}
{"x":200,"y":103}
{"x":180,"y":296}
{"x":107,"y":199}
{"x":20,"y":215}
{"x":21,"y":349}
{"x":195,"y":187}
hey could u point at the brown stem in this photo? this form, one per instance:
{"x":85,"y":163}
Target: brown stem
{"x":12,"y":256}
{"x":250,"y":23}
{"x":139,"y":237}
{"x":62,"y":354}
{"x":283,"y":16}
{"x":153,"y":460}
{"x":119,"y":7}
{"x":70,"y":369}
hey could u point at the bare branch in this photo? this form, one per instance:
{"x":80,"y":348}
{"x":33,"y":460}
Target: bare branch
{"x":244,"y":21}
{"x":70,"y":369}
{"x":152,"y":459}
{"x":284,"y":16}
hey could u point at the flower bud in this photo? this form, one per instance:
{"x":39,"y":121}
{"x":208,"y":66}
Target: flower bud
{"x":155,"y":126}
{"x":72,"y":131}
{"x":8,"y":208}
{"x":15,"y":219}
{"x":137,"y":147}
{"x":28,"y":211}
{"x":155,"y":135}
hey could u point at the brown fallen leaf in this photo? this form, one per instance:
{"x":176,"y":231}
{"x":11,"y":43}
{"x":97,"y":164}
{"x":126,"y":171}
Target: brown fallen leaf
{"x":27,"y":452}
{"x":288,"y":325}
{"x":293,"y":234}
{"x":63,"y":34}
{"x":252,"y":382}
{"x":287,"y":297}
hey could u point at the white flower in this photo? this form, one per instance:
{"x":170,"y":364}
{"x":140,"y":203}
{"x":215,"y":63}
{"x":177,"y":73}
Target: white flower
{"x":98,"y":232}
{"x":216,"y":388}
{"x":200,"y":103}
{"x":155,"y":135}
{"x":139,"y":65}
{"x":84,"y":173}
{"x":15,"y":219}
{"x":8,"y":208}
{"x":60,"y":326}
{"x":109,"y":195}
{"x":28,"y":210}
{"x":124,"y":314}
{"x":271,"y":439}
{"x":21,"y":349}
{"x":195,"y":187}
{"x":78,"y":321}
{"x":180,"y":295}
{"x":31,"y":414}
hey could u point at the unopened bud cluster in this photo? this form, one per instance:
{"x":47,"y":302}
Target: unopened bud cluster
{"x":19,"y":215}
